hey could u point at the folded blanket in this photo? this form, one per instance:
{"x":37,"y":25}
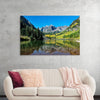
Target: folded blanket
{"x":72,"y":80}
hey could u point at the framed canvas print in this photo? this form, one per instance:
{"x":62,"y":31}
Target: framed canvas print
{"x":50,"y":35}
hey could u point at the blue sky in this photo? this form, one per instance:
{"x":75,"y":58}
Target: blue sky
{"x":40,"y":21}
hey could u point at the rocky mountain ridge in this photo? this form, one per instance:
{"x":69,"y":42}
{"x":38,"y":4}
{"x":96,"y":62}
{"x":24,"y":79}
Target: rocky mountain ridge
{"x":52,"y":29}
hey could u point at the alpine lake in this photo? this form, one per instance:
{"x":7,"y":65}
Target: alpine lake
{"x":50,"y":47}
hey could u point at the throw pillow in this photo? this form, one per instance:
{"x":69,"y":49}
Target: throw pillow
{"x":32,"y":78}
{"x":16,"y":79}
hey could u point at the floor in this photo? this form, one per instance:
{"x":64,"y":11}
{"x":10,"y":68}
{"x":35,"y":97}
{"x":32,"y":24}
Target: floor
{"x":3,"y":98}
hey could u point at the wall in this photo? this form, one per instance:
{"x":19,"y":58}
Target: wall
{"x":10,"y":11}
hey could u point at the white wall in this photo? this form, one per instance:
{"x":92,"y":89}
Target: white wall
{"x":10,"y":58}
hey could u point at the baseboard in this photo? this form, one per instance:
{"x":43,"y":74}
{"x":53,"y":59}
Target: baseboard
{"x":95,"y":96}
{"x":2,"y":96}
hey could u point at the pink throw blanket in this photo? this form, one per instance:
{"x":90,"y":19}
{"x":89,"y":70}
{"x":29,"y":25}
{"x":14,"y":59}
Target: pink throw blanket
{"x":72,"y":80}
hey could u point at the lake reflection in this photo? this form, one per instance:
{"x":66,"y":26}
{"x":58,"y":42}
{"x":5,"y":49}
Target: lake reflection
{"x":50,"y":47}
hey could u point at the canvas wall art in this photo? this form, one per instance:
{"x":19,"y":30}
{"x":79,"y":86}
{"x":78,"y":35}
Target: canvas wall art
{"x":50,"y":35}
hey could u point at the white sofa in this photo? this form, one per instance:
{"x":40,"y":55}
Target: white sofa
{"x":54,"y":89}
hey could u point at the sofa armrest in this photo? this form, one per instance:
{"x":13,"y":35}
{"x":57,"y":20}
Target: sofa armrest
{"x":8,"y":87}
{"x":88,"y":80}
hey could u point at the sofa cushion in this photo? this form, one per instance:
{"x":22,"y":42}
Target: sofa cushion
{"x":22,"y":91}
{"x":70,"y":92}
{"x":50,"y":91}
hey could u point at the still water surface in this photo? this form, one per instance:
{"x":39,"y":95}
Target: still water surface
{"x":50,"y":47}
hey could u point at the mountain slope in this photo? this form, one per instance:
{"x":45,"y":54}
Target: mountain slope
{"x":71,"y":32}
{"x":24,"y":23}
{"x":28,"y":31}
{"x":75,"y":25}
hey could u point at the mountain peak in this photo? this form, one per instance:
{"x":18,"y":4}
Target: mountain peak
{"x":51,"y":25}
{"x":52,"y":29}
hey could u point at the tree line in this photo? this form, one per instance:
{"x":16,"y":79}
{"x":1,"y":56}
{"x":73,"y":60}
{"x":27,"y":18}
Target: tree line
{"x":30,"y":31}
